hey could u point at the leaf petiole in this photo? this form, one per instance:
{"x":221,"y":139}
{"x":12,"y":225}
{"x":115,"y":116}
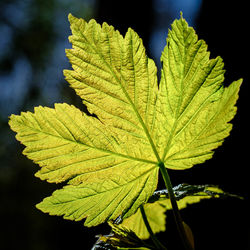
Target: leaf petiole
{"x":176,"y":212}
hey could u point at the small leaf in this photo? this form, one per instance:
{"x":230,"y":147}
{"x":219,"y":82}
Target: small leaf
{"x":159,"y":202}
{"x":156,"y":216}
{"x":185,"y":190}
{"x":189,"y":234}
{"x":121,"y":238}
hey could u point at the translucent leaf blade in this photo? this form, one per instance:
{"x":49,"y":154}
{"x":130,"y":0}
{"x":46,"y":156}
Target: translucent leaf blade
{"x":156,"y":217}
{"x":69,"y":145}
{"x":113,"y":76}
{"x":194,"y":106}
{"x":118,"y":83}
{"x":101,"y":201}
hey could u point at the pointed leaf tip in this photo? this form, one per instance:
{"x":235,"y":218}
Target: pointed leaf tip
{"x":71,"y":17}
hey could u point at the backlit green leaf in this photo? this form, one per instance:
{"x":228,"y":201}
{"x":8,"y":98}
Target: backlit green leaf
{"x":116,"y":81}
{"x":69,"y":145}
{"x":156,"y":216}
{"x":193,"y":105}
{"x":111,"y":162}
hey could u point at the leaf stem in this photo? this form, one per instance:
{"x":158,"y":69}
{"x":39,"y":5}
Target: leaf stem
{"x":156,"y":242}
{"x":176,"y":212}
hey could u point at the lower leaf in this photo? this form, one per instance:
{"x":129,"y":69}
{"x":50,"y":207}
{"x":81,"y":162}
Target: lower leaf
{"x":101,"y":201}
{"x":159,"y":203}
{"x":189,"y":234}
{"x":121,"y":238}
{"x":156,"y":216}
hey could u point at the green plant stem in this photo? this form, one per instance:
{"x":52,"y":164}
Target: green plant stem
{"x":156,"y":242}
{"x":176,"y":212}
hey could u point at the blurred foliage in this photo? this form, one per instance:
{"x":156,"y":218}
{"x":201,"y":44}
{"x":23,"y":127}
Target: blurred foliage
{"x":33,"y":37}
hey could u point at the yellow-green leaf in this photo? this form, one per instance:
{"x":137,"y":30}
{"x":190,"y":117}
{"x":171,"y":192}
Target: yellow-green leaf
{"x":156,"y":217}
{"x":185,"y":195}
{"x":194,"y":107}
{"x":111,"y":162}
{"x":69,"y":145}
{"x":115,"y":79}
{"x":100,"y":201}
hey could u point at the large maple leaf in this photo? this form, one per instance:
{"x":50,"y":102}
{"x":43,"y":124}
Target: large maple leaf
{"x":111,"y":161}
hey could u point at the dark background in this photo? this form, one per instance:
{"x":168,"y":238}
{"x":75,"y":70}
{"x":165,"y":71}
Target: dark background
{"x":33,"y":36}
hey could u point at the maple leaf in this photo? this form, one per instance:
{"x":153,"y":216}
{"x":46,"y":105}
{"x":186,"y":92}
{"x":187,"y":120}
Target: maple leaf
{"x":111,"y":161}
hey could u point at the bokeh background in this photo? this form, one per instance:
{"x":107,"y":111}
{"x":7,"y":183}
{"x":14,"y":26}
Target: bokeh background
{"x":33,"y":37}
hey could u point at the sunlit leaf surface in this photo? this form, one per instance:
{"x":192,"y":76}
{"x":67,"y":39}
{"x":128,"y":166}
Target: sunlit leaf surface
{"x":110,"y":160}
